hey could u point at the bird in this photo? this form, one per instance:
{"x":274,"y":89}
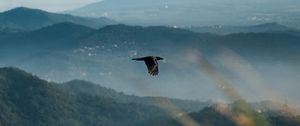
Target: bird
{"x":151,"y":63}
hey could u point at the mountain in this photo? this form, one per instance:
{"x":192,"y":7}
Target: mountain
{"x":68,"y":51}
{"x":28,"y":100}
{"x":223,"y":30}
{"x":25,"y":99}
{"x":31,"y":19}
{"x":271,"y":108}
{"x":237,"y":114}
{"x":56,"y":37}
{"x":4,"y":32}
{"x":194,"y":12}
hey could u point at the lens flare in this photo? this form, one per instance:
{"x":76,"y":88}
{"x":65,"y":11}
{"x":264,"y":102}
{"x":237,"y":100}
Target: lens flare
{"x":241,"y":112}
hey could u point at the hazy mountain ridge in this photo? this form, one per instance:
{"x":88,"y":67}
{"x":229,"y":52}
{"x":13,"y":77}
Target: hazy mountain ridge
{"x":83,"y":53}
{"x":61,"y":36}
{"x":194,"y":12}
{"x":242,"y":113}
{"x":213,"y":116}
{"x":31,"y":19}
{"x":159,"y":37}
{"x":223,"y":30}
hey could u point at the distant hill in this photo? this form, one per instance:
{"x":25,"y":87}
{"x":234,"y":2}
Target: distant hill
{"x":4,"y":32}
{"x":219,"y":29}
{"x":61,"y":36}
{"x":158,"y":38}
{"x":238,"y":114}
{"x":194,"y":12}
{"x":23,"y":18}
{"x":68,"y":51}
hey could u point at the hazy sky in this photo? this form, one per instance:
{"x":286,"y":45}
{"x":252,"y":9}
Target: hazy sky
{"x":49,"y":5}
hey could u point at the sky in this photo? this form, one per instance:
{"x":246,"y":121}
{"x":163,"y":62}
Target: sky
{"x":48,"y":5}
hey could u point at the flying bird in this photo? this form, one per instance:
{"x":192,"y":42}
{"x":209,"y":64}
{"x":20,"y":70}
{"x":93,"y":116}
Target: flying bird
{"x":151,"y":63}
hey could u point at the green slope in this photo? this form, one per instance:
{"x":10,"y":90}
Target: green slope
{"x":27,"y":100}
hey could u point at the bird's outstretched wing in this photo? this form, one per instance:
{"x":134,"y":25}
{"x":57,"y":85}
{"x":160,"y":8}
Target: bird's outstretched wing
{"x":139,"y":59}
{"x":152,"y":67}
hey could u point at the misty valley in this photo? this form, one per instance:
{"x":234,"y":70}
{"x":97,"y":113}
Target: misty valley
{"x":59,"y":69}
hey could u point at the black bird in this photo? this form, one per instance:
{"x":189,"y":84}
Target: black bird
{"x":151,"y":63}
